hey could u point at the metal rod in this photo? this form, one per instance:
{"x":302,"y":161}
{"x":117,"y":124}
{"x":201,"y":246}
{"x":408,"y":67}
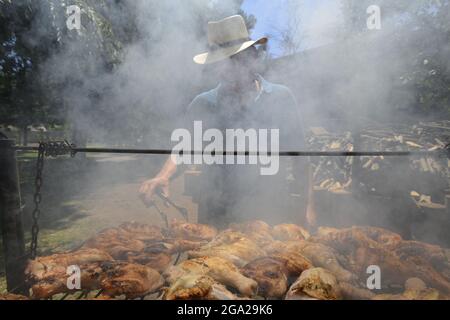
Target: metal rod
{"x":11,"y":219}
{"x":249,"y":153}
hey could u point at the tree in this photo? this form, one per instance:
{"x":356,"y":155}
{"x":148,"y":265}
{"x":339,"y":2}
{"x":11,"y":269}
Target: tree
{"x":50,"y":74}
{"x":30,"y":33}
{"x":421,"y":30}
{"x":289,"y":34}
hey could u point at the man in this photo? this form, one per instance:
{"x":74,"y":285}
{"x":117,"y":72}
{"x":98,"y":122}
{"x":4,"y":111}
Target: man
{"x":244,"y":100}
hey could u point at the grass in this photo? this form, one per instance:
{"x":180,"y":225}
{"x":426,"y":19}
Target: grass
{"x":53,"y":240}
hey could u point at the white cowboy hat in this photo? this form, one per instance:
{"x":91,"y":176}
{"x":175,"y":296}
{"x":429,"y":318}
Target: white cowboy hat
{"x":226,"y":38}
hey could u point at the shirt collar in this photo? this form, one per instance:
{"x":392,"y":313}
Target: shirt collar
{"x":266,"y":87}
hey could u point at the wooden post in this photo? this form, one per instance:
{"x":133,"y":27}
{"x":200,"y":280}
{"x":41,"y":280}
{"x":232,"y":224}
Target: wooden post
{"x":11,"y":219}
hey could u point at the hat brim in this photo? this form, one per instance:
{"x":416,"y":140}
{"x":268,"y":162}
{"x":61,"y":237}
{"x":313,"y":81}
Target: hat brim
{"x":224,"y":53}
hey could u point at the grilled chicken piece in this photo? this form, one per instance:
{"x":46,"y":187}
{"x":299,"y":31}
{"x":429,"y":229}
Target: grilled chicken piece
{"x":45,"y":267}
{"x":197,"y":287}
{"x":349,"y":238}
{"x":91,"y":277}
{"x":156,"y":260}
{"x":217,"y":268}
{"x":319,"y":254}
{"x":293,"y":262}
{"x":191,"y":231}
{"x":396,"y":270}
{"x":438,"y":257}
{"x":366,"y":246}
{"x":140,"y":243}
{"x":351,"y":292}
{"x":131,"y":280}
{"x":327,"y":258}
{"x":421,"y":268}
{"x":274,"y":271}
{"x":117,"y":242}
{"x":143,"y":232}
{"x":270,"y":276}
{"x":159,"y":255}
{"x":11,"y":297}
{"x":128,"y":238}
{"x":316,"y":283}
{"x":415,"y":289}
{"x":258,"y":231}
{"x":251,"y":226}
{"x":115,"y":278}
{"x":287,"y":232}
{"x":232,"y":246}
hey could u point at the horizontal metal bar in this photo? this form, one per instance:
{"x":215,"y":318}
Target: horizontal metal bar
{"x":248,"y":153}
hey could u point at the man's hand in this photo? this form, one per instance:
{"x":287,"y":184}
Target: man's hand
{"x":149,"y":187}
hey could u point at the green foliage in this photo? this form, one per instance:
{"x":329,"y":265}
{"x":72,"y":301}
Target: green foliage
{"x":34,"y":39}
{"x":421,"y":28}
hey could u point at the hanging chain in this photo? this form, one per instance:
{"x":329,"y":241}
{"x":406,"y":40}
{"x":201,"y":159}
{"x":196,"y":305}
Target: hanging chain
{"x":37,"y":200}
{"x":46,"y":149}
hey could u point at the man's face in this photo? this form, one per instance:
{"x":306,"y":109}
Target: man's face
{"x":238,"y":72}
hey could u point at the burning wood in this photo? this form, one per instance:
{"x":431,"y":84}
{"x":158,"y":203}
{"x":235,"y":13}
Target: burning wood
{"x":232,"y":264}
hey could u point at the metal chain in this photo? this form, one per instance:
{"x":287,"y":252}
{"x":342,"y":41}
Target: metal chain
{"x":49,"y":149}
{"x":37,"y":200}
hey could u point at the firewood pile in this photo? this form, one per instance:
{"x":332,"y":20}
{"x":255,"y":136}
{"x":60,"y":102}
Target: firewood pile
{"x":250,"y":260}
{"x":331,"y":174}
{"x":335,"y":174}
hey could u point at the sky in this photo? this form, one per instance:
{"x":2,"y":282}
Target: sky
{"x":314,"y":14}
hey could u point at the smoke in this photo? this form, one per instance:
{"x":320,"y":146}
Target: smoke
{"x":125,"y":80}
{"x":138,"y":93}
{"x":349,"y":78}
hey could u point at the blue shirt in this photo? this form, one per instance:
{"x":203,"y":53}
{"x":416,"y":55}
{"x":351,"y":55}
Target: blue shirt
{"x":274,"y":107}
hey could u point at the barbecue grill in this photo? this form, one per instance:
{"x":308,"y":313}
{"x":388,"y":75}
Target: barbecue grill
{"x":283,"y":261}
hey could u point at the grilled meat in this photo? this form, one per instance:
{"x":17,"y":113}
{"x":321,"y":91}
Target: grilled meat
{"x":139,"y":243}
{"x":217,"y":268}
{"x":286,"y":232}
{"x":394,"y":269}
{"x":11,"y":297}
{"x":319,"y":254}
{"x":415,"y":289}
{"x":345,"y":240}
{"x":270,"y":275}
{"x":191,"y":231}
{"x":232,"y":246}
{"x":117,"y":242}
{"x":258,"y":231}
{"x":351,"y":292}
{"x":131,"y":280}
{"x":156,"y":260}
{"x":316,"y":283}
{"x":91,"y":277}
{"x":47,"y":267}
{"x":143,"y":232}
{"x":293,"y":262}
{"x":197,"y":287}
{"x":327,"y":258}
{"x":115,"y":278}
{"x":438,"y":257}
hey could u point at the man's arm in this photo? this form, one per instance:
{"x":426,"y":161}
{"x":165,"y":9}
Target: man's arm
{"x":170,"y":168}
{"x":160,"y":181}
